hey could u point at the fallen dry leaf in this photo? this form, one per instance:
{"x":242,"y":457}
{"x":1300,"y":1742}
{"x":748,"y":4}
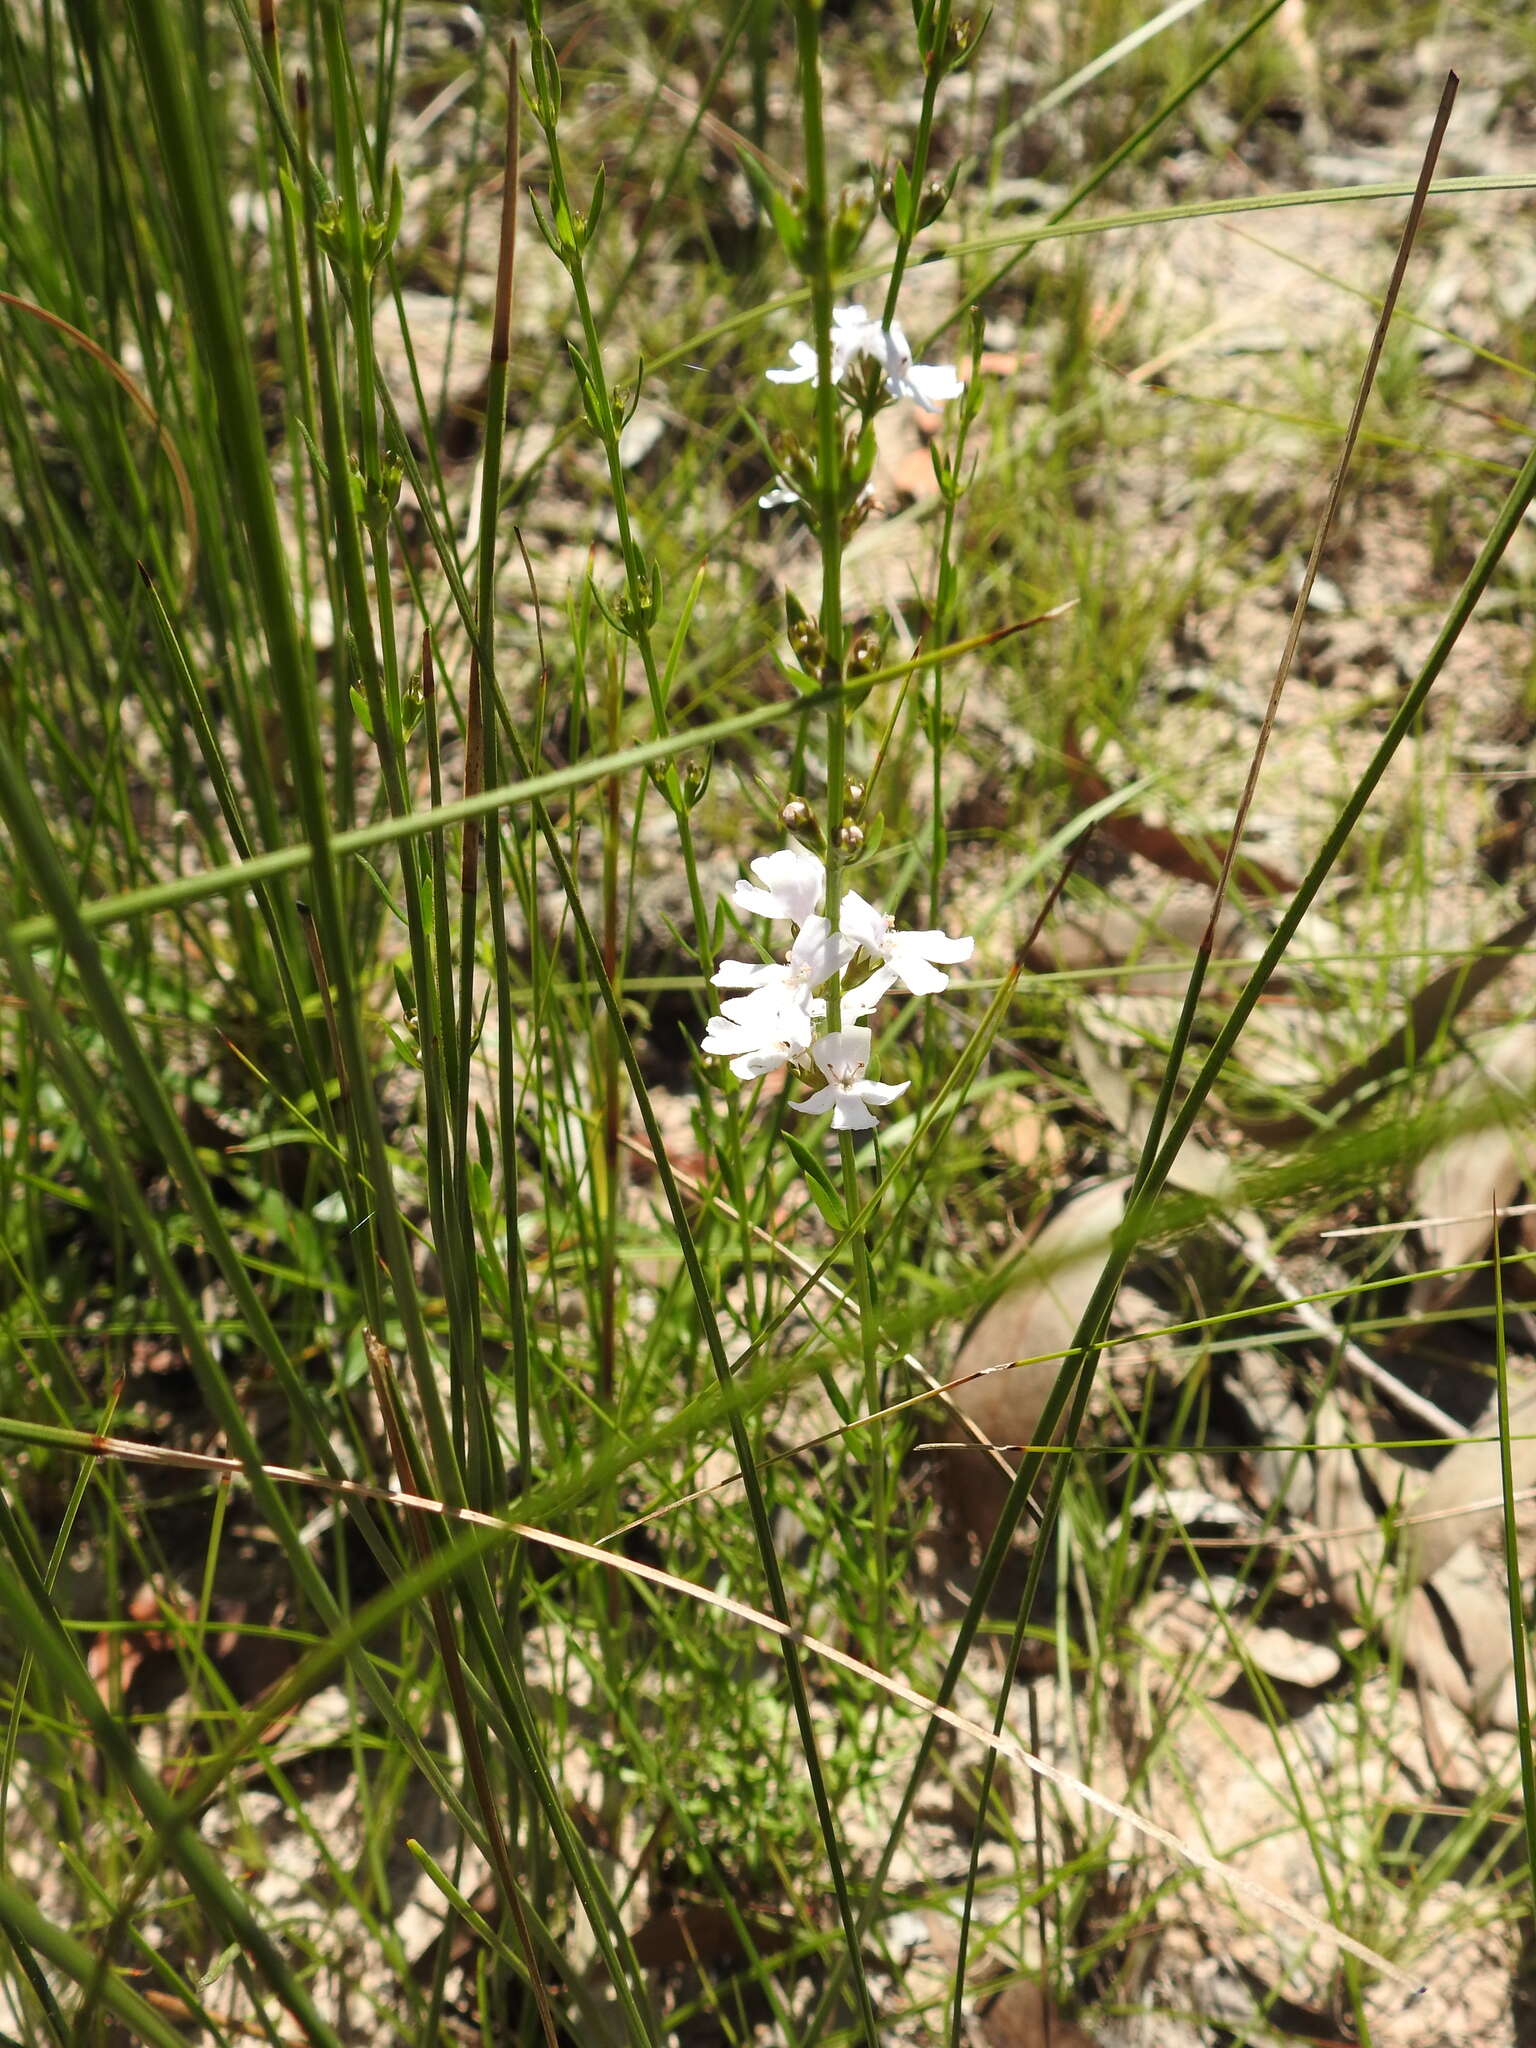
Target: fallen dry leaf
{"x":1023,"y":2017}
{"x":1028,"y":1329}
{"x":1291,"y":1658}
{"x":1193,"y":856}
{"x":1017,"y":1128}
{"x":1436,"y":1005}
{"x":697,"y":1931}
{"x":1453,"y":1628}
{"x":1469,"y":1479}
{"x":1111,"y":935}
{"x":1461,"y":1183}
{"x":1283,"y":1476}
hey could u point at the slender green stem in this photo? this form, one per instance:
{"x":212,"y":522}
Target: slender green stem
{"x":937,"y":28}
{"x":817,"y":262}
{"x":482,"y":748}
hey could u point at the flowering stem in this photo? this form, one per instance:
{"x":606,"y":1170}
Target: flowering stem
{"x":907,"y":232}
{"x":818,"y":268}
{"x":817,"y":261}
{"x":604,"y":416}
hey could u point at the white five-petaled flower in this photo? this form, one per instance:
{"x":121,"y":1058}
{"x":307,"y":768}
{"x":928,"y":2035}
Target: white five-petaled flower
{"x":761,"y":1032}
{"x":855,"y":334}
{"x":907,"y":957}
{"x":929,"y":385}
{"x":817,"y":954}
{"x":842,"y":1057}
{"x":789,"y":884}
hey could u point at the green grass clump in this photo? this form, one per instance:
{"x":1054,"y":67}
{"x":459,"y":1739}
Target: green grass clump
{"x":466,"y":1565}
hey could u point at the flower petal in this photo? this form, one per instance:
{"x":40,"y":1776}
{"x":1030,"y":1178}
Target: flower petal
{"x":917,"y":975}
{"x":817,"y":1104}
{"x":792,"y":881}
{"x":843,"y":1055}
{"x":802,"y":368}
{"x":849,"y":1114}
{"x":819,"y":952}
{"x":880,"y":1092}
{"x":854,"y":333}
{"x":858,"y":1002}
{"x":861,"y":922}
{"x":931,"y":385}
{"x":745,"y":974}
{"x":895,"y":352}
{"x":935,"y":945}
{"x":766,"y":1059}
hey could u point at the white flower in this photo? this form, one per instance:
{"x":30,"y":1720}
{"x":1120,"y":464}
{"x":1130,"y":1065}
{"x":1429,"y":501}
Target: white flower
{"x":855,"y":334}
{"x":793,"y":885}
{"x":926,"y":384}
{"x":783,"y":492}
{"x":817,"y":954}
{"x":842,"y":1057}
{"x":802,"y":368}
{"x":929,"y":385}
{"x":907,"y":957}
{"x":760,"y":1033}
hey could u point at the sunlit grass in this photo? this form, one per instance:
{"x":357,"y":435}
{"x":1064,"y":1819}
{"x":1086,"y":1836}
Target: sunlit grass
{"x":315,"y":1155}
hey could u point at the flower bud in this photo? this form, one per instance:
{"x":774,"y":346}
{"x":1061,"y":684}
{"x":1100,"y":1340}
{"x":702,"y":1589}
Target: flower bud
{"x":808,"y":647}
{"x":856,"y":515}
{"x":381,"y":494}
{"x":859,"y":451}
{"x":964,"y":35}
{"x":935,"y":197}
{"x":850,"y":836}
{"x":864,"y":382}
{"x":796,"y":815}
{"x":848,"y":227}
{"x":696,"y":778}
{"x":379,"y":234}
{"x":331,"y":228}
{"x":805,"y":637}
{"x":854,"y":794}
{"x":864,"y":655}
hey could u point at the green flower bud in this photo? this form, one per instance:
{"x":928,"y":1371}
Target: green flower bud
{"x":864,"y":655}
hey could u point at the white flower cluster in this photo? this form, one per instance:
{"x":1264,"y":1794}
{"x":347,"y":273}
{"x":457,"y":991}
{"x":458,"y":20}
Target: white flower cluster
{"x":774,"y":1024}
{"x":854,"y":334}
